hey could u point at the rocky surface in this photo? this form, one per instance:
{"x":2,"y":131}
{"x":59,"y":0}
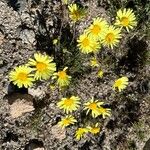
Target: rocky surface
{"x":28,"y":118}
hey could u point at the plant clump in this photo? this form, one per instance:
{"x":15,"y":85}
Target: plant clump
{"x":99,"y":34}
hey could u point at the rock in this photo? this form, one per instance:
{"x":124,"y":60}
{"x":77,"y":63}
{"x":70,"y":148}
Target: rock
{"x":20,"y":104}
{"x":28,"y":36}
{"x":9,"y":19}
{"x":58,"y":132}
{"x":39,"y":149}
{"x":37,"y":93}
{"x":147,"y":145}
{"x":1,"y":38}
{"x":35,"y":144}
{"x":20,"y":107}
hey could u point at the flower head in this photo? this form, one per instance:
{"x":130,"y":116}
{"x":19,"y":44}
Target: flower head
{"x":121,"y":83}
{"x":100,"y":73}
{"x":126,"y":18}
{"x":42,"y":65}
{"x":21,"y":76}
{"x":94,"y":129}
{"x":104,"y":112}
{"x":111,"y":37}
{"x":55,"y":41}
{"x":62,"y":78}
{"x":86,"y":43}
{"x":75,"y":12}
{"x":80,"y":132}
{"x":93,"y":106}
{"x":69,"y":104}
{"x":68,"y":120}
{"x":94,"y":62}
{"x":97,"y":28}
{"x":96,"y":46}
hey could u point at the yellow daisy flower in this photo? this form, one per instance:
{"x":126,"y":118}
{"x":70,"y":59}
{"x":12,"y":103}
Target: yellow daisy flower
{"x":96,"y":46}
{"x":126,"y":18}
{"x":111,"y":37}
{"x":85,"y":43}
{"x":80,"y":132}
{"x":100,"y":73}
{"x":76,"y":13}
{"x":21,"y":76}
{"x":55,"y":41}
{"x":95,"y":129}
{"x":69,"y":104}
{"x":97,"y":28}
{"x":104,"y":112}
{"x":68,"y":120}
{"x":63,"y":78}
{"x":93,"y":106}
{"x":42,"y":65}
{"x":121,"y":83}
{"x":94,"y":62}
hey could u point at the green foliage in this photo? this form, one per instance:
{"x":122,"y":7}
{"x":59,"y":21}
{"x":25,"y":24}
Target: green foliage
{"x":131,"y":145}
{"x":35,"y":121}
{"x":138,"y":127}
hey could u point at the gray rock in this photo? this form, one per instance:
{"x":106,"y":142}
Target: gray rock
{"x":147,"y":145}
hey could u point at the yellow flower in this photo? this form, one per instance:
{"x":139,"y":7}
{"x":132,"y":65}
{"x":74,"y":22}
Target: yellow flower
{"x":111,"y":37}
{"x":76,"y":13}
{"x":95,"y":129}
{"x":80,"y":132}
{"x":97,"y":28}
{"x":85,"y":43}
{"x":96,"y":46}
{"x":104,"y":112}
{"x":63,"y":78}
{"x":93,"y":106}
{"x":69,"y":104}
{"x":126,"y":18}
{"x":68,"y":120}
{"x":21,"y":76}
{"x":55,"y":41}
{"x":42,"y":65}
{"x":100,"y":73}
{"x":94,"y":62}
{"x":121,"y":83}
{"x":65,"y":2}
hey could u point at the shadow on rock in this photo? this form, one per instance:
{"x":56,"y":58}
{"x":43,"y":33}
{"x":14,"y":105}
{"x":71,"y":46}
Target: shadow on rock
{"x":135,"y":56}
{"x":34,"y":144}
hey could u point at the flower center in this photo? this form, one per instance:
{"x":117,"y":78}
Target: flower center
{"x":40,"y":66}
{"x":76,"y":14}
{"x":95,"y":130}
{"x":96,"y":29}
{"x":93,"y":106}
{"x":118,"y":83}
{"x":124,"y":21}
{"x":62,"y":74}
{"x":85,"y":42}
{"x":68,"y":102}
{"x":110,"y":37}
{"x":22,"y":76}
